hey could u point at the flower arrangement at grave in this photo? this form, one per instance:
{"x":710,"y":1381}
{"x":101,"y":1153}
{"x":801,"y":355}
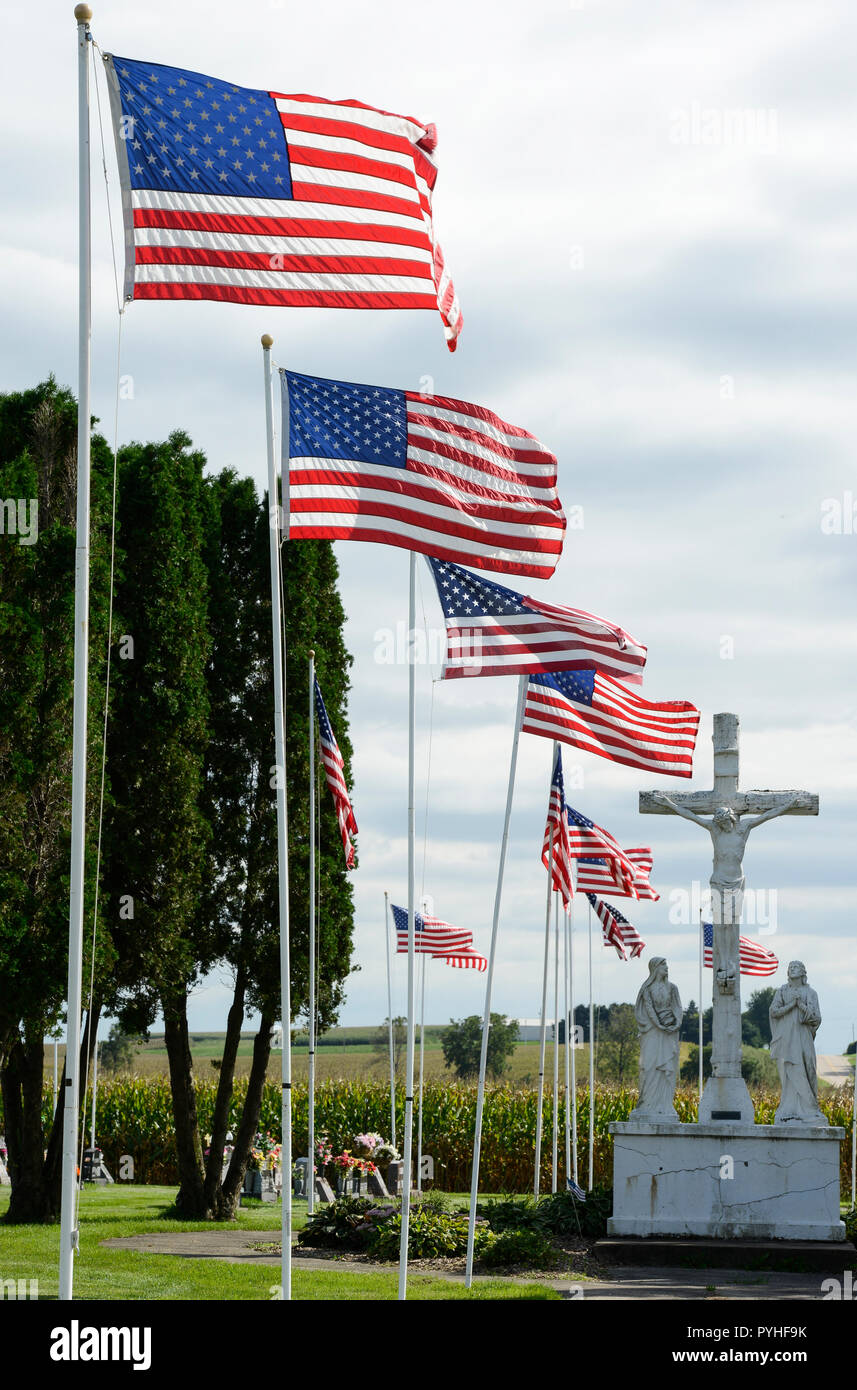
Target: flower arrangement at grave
{"x":265,"y":1153}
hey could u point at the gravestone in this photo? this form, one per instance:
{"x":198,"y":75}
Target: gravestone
{"x":94,"y":1168}
{"x":323,"y":1190}
{"x":377,"y":1186}
{"x":299,"y":1182}
{"x":726,"y":1176}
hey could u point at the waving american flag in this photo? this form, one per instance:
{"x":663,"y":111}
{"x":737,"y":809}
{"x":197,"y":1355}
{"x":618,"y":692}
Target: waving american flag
{"x":431,"y":935}
{"x":600,"y":876}
{"x":754,"y":959}
{"x":259,"y":197}
{"x":431,"y":474}
{"x":556,"y":850}
{"x":492,"y":631}
{"x":334,"y":771}
{"x":593,"y":712}
{"x":617,"y":930}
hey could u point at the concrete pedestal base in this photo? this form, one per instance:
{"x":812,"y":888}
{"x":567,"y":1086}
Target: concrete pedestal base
{"x":726,"y":1100}
{"x":726,"y":1180}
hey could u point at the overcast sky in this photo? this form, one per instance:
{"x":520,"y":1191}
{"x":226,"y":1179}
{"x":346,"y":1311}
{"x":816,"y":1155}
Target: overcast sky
{"x":650,"y":214}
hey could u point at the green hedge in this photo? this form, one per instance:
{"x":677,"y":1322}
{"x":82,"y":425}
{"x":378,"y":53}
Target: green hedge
{"x":135,"y":1117}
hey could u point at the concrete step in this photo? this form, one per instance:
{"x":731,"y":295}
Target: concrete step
{"x":797,"y":1256}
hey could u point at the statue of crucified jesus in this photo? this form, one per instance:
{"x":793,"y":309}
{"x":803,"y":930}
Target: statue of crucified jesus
{"x":728,"y":837}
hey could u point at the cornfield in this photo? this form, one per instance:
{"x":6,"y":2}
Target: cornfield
{"x":135,"y":1117}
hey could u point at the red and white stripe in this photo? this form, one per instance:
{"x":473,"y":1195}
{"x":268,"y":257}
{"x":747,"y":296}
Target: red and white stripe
{"x":466,"y":960}
{"x":475,"y":490}
{"x":556,"y":849}
{"x":334,"y":771}
{"x":356,"y":234}
{"x":603,"y":878}
{"x":618,"y":932}
{"x":546,"y":638}
{"x":618,"y":725}
{"x":753,"y":958}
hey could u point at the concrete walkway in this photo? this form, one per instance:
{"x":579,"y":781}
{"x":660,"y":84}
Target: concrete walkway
{"x":624,"y":1282}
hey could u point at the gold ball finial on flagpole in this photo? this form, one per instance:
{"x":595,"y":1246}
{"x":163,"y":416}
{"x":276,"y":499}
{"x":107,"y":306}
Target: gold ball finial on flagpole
{"x":312,"y":653}
{"x":267,"y":341}
{"x":82,"y":13}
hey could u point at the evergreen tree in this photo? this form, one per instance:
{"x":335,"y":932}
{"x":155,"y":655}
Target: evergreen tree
{"x":38,"y":463}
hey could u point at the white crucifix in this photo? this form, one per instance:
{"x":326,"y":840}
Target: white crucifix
{"x":720,"y":812}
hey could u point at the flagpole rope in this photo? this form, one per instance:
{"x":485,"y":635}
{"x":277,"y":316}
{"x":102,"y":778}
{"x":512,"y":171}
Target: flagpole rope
{"x":105,"y":723}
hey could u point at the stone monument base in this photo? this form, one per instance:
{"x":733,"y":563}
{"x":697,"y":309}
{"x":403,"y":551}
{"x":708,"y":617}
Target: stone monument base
{"x":673,"y":1179}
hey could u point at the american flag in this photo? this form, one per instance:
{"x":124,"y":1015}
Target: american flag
{"x":556,"y":849}
{"x":258,"y":197}
{"x":593,"y":712}
{"x":466,"y":960}
{"x":575,"y":1191}
{"x":492,"y":631}
{"x":442,"y":477}
{"x":755,"y":959}
{"x":588,"y":840}
{"x":599,"y":876}
{"x":617,"y":930}
{"x":431,"y":935}
{"x":335,"y":774}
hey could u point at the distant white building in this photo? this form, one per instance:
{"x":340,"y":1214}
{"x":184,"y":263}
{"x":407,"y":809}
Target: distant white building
{"x":530,"y":1029}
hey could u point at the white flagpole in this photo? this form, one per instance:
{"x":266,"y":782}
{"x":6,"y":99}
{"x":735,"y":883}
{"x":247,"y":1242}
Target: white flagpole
{"x":390,"y":1022}
{"x":555,"y":1133}
{"x":310,"y":1196}
{"x":282,"y":831}
{"x":71,"y":1099}
{"x":420,"y":1106}
{"x":591,"y":1064}
{"x":854,"y":1133}
{"x":94,"y":1091}
{"x":567,"y":1030}
{"x":574,"y":1034}
{"x":409,"y":1067}
{"x":701,"y":952}
{"x":486,"y":1022}
{"x":543,"y":1018}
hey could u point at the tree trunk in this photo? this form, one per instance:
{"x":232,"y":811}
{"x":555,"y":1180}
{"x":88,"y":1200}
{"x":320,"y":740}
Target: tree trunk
{"x":190,"y":1200}
{"x":228,"y":1197}
{"x":36,"y":1173}
{"x":22,"y":1106}
{"x":220,"y":1122}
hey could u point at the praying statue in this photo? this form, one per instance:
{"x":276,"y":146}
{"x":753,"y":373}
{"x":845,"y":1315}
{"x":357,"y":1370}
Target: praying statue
{"x":795,"y":1020}
{"x":658,"y":1013}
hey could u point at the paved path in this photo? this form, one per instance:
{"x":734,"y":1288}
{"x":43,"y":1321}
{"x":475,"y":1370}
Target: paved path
{"x":836,"y":1070}
{"x":625,"y":1282}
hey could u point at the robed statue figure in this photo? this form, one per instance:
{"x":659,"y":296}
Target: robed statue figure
{"x":659,"y":1013}
{"x":795,"y":1020}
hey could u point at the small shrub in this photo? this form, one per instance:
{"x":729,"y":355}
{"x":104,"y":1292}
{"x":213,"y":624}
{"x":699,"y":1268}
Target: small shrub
{"x":850,"y":1219}
{"x":432,"y":1235}
{"x":435,"y":1200}
{"x":510,"y":1213}
{"x":564,"y":1215}
{"x":531,"y":1248}
{"x":341,"y":1225}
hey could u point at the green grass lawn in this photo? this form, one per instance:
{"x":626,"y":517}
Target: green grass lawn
{"x":32,"y":1252}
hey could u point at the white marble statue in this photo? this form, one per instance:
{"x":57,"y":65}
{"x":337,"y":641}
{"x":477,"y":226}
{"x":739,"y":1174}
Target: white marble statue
{"x":658,"y":1013}
{"x":795,"y":1019}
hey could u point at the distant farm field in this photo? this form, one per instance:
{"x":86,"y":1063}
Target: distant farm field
{"x":346,"y":1053}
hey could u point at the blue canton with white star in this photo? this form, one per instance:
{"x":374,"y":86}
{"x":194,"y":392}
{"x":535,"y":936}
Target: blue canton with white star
{"x":463,"y":594}
{"x":324,"y":728}
{"x":196,"y":134}
{"x":338,"y":420}
{"x":400,"y":918}
{"x":614,"y":911}
{"x":577,"y":818}
{"x":574,"y":685}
